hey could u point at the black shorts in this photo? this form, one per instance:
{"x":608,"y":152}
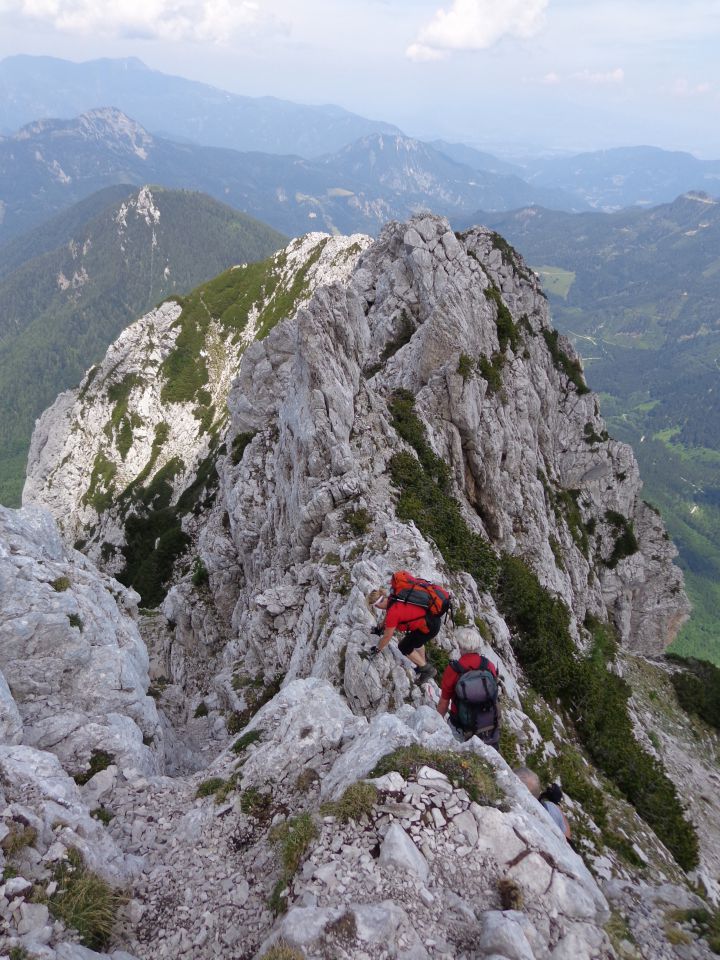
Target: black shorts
{"x":416,"y":638}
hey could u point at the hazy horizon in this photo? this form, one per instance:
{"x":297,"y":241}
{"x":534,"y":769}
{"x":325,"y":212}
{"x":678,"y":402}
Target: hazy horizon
{"x":531,"y":76}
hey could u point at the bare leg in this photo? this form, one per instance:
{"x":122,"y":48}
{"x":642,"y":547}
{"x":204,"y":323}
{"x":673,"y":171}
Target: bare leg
{"x":418,"y":657}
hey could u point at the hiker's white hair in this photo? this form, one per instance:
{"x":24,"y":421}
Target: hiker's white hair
{"x":468,"y":639}
{"x":530,"y":779}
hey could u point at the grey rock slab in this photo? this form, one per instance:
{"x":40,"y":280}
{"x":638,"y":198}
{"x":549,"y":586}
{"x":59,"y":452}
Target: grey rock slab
{"x":33,"y":916}
{"x":503,"y":933}
{"x":398,"y":850}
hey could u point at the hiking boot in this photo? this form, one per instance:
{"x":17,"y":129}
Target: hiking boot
{"x":425,"y":673}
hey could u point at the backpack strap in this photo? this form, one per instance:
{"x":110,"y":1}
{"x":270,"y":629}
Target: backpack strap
{"x":458,"y":667}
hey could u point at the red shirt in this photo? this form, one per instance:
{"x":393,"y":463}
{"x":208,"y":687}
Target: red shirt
{"x":406,"y":616}
{"x":450,"y":677}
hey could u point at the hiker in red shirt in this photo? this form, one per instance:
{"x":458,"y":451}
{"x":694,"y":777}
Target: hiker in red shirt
{"x":417,"y":623}
{"x":469,"y":688}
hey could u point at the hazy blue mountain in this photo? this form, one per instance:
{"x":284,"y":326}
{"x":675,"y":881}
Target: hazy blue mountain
{"x":476,"y":159}
{"x":638,"y":291}
{"x":33,"y":88}
{"x":625,"y":176}
{"x":61,"y":310}
{"x":52,"y":164}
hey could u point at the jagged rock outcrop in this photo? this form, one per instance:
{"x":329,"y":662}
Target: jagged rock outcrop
{"x":432,"y":358}
{"x":526,"y":454}
{"x":143,"y":422}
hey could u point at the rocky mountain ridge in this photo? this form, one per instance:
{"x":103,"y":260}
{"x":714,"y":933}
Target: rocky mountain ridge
{"x":51,"y":164}
{"x":420,"y":413}
{"x":62,"y":308}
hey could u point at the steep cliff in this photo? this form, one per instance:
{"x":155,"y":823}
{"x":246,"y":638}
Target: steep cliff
{"x":149,"y":419}
{"x":421,"y":413}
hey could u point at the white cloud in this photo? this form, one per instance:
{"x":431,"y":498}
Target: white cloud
{"x":421,"y":53}
{"x":214,"y":21}
{"x":684,"y":88}
{"x":551,"y":79}
{"x":476,"y":25}
{"x":612,"y":76}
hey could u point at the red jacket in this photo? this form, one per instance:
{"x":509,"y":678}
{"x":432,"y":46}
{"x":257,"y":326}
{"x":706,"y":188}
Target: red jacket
{"x":406,"y":616}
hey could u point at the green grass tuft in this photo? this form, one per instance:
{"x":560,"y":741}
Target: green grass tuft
{"x":210,"y":787}
{"x":293,"y":837}
{"x":19,"y":837}
{"x":243,"y":742}
{"x":356,"y":802}
{"x":464,"y":770}
{"x":283,"y":951}
{"x":99,"y":760}
{"x":85,"y":902}
{"x":60,"y":584}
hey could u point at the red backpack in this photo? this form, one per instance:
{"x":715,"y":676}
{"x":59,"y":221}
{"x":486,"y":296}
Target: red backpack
{"x":405,"y":588}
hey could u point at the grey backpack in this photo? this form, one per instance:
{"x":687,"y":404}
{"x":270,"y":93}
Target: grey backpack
{"x":475,"y":696}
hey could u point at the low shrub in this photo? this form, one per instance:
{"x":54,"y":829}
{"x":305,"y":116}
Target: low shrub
{"x":60,"y":584}
{"x":425,"y":498}
{"x":358,"y":520}
{"x":200,"y":575}
{"x":201,"y":710}
{"x":75,"y":621}
{"x":595,"y":698}
{"x":509,"y":746}
{"x":102,"y":814}
{"x":491,"y":371}
{"x":403,"y":336}
{"x":625,"y":543}
{"x":466,"y":366}
{"x":437,"y":657}
{"x":697,"y":688}
{"x":507,"y":331}
{"x":239,"y":445}
{"x":563,"y":362}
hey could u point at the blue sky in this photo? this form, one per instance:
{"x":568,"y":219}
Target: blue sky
{"x":559,"y":74}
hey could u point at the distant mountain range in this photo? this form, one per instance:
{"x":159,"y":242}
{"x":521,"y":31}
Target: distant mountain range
{"x":608,"y":180}
{"x":186,"y":112}
{"x":61,"y":309}
{"x":639,"y":292}
{"x":37,"y":88}
{"x":51,"y":164}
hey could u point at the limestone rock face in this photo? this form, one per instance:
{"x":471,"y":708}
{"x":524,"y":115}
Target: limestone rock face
{"x":70,"y":652}
{"x":152,"y":411}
